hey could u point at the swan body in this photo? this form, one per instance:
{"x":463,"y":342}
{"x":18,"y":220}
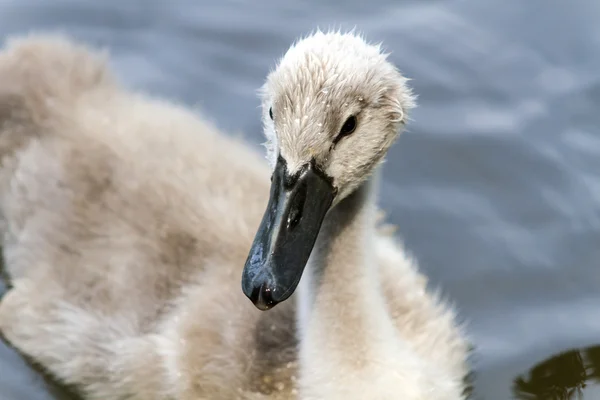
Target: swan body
{"x":126,"y":222}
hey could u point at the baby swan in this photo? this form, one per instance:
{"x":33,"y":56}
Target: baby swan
{"x":332,"y":108}
{"x":126,"y":222}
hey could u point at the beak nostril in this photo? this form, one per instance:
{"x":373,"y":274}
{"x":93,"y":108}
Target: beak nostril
{"x":294,"y":218}
{"x":297,"y":206}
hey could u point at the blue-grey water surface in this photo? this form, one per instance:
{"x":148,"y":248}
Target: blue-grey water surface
{"x":495,"y":186}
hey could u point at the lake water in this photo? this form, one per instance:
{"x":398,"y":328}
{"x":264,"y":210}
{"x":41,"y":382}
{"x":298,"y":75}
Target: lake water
{"x":495,"y":187}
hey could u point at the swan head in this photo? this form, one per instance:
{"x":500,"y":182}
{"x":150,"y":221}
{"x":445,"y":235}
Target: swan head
{"x":331,"y":109}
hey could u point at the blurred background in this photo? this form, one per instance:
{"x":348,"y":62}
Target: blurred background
{"x":495,"y":186}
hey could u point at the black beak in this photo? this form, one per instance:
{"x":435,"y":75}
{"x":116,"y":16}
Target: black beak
{"x":287,"y":234}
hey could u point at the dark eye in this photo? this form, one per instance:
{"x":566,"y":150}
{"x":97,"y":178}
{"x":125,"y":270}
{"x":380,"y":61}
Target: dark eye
{"x":271,"y":112}
{"x":347,"y":129}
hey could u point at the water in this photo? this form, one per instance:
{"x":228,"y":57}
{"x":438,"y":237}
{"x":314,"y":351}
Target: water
{"x":495,"y":186}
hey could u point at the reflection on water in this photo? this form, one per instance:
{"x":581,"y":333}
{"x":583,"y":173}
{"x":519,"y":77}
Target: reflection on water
{"x":569,"y":375}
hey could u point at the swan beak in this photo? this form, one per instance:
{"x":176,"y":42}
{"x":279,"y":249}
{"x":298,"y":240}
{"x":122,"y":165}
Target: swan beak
{"x":287,"y":234}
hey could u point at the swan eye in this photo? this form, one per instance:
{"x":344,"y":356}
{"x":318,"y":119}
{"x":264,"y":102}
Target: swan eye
{"x":271,"y":113}
{"x":347,"y":129}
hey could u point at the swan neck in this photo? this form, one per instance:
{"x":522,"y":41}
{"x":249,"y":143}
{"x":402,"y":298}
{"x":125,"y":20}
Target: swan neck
{"x":342,"y":272}
{"x":342,"y":247}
